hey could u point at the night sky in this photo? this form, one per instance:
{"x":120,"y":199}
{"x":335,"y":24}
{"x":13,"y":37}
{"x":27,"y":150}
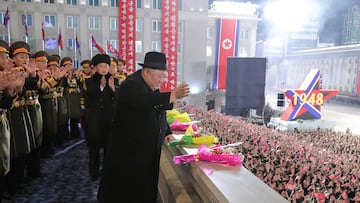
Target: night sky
{"x":331,"y":20}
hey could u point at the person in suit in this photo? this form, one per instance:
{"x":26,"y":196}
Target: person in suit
{"x":99,"y":95}
{"x":131,"y":166}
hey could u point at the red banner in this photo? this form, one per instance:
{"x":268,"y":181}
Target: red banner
{"x":127,"y":33}
{"x":226,"y":47}
{"x":169,"y":41}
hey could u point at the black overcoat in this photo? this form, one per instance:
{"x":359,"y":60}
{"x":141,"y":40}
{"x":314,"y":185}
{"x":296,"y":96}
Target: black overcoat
{"x":98,"y":110}
{"x":131,"y":167}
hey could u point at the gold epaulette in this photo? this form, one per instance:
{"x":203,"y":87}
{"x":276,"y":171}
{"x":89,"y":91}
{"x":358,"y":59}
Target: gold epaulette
{"x":52,"y":82}
{"x":42,"y":84}
{"x":18,"y":103}
{"x":52,"y":95}
{"x":3,"y":116}
{"x":72,"y":90}
{"x":31,"y":102}
{"x":82,"y":101}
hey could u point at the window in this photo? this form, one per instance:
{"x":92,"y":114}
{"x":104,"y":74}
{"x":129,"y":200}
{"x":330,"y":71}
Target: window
{"x":71,"y":2}
{"x":4,"y":37}
{"x":114,"y":3}
{"x":72,"y":22}
{"x":208,"y":51}
{"x":49,"y":1}
{"x":25,"y":0}
{"x":114,"y":23}
{"x":94,"y":22}
{"x":94,"y":3}
{"x":180,"y":27}
{"x":244,"y":52}
{"x":138,"y":47}
{"x":156,"y":25}
{"x":139,"y":25}
{"x":138,"y":67}
{"x":179,"y":48}
{"x":138,"y":3}
{"x":49,"y":21}
{"x":70,"y":43}
{"x":180,"y":5}
{"x":28,"y":19}
{"x":115,"y":44}
{"x":244,"y":34}
{"x":210,"y":32}
{"x":2,"y":17}
{"x":156,"y":4}
{"x":156,"y":46}
{"x":179,"y":72}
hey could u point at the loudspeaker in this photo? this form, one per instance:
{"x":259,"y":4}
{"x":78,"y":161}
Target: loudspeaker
{"x":281,"y":103}
{"x":281,"y":96}
{"x":280,"y":99}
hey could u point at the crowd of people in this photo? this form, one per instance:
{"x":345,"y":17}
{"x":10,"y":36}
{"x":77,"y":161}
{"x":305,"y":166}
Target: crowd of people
{"x":43,"y":102}
{"x":308,"y":166}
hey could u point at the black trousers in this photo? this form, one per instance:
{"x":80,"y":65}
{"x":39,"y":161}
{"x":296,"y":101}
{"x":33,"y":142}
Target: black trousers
{"x":33,"y":163}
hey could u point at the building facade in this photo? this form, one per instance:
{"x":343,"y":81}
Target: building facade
{"x":100,"y":18}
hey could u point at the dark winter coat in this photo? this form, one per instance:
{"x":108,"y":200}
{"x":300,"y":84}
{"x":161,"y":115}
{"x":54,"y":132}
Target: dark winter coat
{"x":98,"y":110}
{"x":131,"y":167}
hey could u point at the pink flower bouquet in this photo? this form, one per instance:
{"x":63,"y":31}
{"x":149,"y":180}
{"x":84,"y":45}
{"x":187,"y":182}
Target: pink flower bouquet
{"x":214,"y":155}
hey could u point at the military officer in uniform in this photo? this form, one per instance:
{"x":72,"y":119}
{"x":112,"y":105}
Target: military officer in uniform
{"x":49,"y":106}
{"x":21,"y":127}
{"x":37,"y":87}
{"x":72,"y":92}
{"x":121,"y":73}
{"x":10,"y":83}
{"x":113,"y":70}
{"x":86,"y":73}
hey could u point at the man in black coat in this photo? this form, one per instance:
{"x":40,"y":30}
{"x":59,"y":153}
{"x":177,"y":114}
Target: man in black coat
{"x":131,"y":166}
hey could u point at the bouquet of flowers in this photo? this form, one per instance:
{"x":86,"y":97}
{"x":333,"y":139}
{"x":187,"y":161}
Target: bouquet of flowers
{"x":194,"y":139}
{"x":175,"y":115}
{"x":177,"y":126}
{"x":215,"y":154}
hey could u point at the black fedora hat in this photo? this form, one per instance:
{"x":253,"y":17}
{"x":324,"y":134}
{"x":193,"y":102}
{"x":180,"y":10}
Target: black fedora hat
{"x":154,"y":60}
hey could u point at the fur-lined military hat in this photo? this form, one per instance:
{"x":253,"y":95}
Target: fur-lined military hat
{"x":100,"y":58}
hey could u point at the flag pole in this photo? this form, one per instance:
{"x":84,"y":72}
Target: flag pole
{"x":43,"y":35}
{"x":25,"y":26}
{"x":75,"y":46}
{"x":8,"y":22}
{"x":91,"y":48}
{"x":106,"y":50}
{"x":59,"y":34}
{"x":8,"y":30}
